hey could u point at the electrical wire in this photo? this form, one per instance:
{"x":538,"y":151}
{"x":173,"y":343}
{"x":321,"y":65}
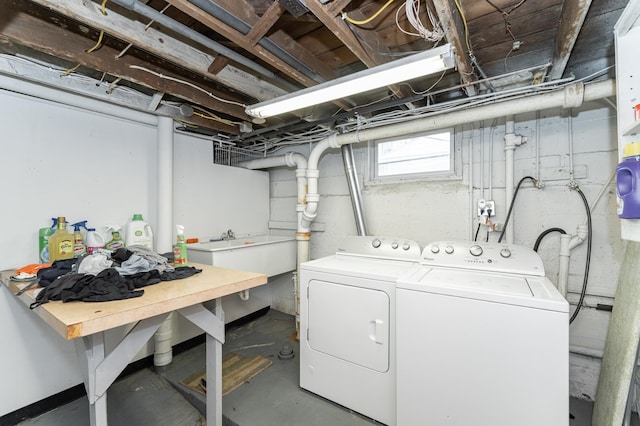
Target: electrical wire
{"x":544,"y":234}
{"x":513,"y":201}
{"x":371,"y":18}
{"x":466,"y":28}
{"x":97,"y":45}
{"x":177,"y":80}
{"x":583,"y":292}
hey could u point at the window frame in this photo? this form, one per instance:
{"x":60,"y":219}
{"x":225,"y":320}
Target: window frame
{"x":454,"y":161}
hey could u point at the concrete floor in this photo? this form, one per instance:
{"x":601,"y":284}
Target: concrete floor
{"x":273,"y":397}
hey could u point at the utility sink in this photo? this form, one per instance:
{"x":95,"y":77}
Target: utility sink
{"x":265,"y":254}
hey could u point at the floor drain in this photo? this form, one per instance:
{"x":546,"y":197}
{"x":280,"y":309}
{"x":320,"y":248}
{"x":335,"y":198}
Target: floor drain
{"x":286,"y":352}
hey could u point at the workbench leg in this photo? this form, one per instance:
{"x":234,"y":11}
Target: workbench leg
{"x":214,"y":374}
{"x":90,"y":350}
{"x":212,"y":323}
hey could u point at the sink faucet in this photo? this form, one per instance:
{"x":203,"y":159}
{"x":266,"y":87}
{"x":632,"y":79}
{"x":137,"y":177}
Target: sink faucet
{"x":229,"y":235}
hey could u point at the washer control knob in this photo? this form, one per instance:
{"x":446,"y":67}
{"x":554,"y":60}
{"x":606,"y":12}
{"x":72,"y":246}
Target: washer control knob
{"x":505,"y":252}
{"x":448,"y":249}
{"x":435,"y":249}
{"x":376,"y":243}
{"x":406,"y":246}
{"x":475,"y":250}
{"x":394,"y":245}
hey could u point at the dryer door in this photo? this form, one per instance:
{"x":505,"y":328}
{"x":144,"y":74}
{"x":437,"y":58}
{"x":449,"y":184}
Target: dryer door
{"x":350,"y":323}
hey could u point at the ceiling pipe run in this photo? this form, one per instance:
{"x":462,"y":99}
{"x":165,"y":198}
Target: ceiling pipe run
{"x":164,"y":20}
{"x":569,"y":97}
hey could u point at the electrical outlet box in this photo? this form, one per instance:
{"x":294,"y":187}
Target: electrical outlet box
{"x":486,"y":208}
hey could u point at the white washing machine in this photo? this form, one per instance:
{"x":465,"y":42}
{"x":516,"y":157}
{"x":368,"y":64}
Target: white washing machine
{"x":482,"y":339}
{"x":347,"y":323}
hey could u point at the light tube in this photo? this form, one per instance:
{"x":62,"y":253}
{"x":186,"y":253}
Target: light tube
{"x":408,"y":68}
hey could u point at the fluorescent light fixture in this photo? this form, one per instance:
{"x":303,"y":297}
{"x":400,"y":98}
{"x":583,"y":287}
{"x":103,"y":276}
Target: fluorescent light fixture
{"x":408,"y":68}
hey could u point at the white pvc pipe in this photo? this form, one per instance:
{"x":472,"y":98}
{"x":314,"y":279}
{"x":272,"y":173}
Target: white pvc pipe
{"x":163,"y":353}
{"x":164,"y":233}
{"x":560,"y":98}
{"x":509,"y":154}
{"x":563,"y":267}
{"x":303,"y":232}
{"x":568,"y":243}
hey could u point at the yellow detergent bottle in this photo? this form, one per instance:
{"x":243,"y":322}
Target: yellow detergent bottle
{"x":61,"y":243}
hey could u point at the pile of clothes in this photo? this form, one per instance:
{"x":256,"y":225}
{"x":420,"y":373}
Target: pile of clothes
{"x":103,"y":277}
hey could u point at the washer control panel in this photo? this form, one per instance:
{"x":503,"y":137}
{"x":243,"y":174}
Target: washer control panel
{"x":497,"y":257}
{"x":380,"y":247}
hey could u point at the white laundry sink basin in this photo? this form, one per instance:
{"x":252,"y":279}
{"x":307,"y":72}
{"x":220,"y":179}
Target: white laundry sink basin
{"x":265,"y":254}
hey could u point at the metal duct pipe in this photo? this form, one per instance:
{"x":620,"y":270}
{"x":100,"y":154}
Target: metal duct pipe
{"x":242,"y":27}
{"x":179,"y":28}
{"x":354,"y":187}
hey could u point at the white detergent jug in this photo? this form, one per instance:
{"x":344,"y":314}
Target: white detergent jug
{"x":94,"y":241}
{"x":138,"y":232}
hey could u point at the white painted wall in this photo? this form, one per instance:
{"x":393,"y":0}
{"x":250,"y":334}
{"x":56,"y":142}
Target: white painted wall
{"x":61,"y":160}
{"x":432,"y":210}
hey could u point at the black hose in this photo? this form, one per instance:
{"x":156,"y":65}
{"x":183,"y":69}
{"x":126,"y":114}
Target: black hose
{"x":544,"y":234}
{"x":477,"y":230}
{"x":588,"y":260}
{"x":513,"y":201}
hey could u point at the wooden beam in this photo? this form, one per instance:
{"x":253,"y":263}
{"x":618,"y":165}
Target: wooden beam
{"x":18,"y":27}
{"x":162,"y":45}
{"x":341,"y":30}
{"x":454,"y":31}
{"x":264,"y":24}
{"x":573,"y":15}
{"x":241,"y":40}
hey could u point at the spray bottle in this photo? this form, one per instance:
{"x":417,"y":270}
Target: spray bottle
{"x":79,"y":247}
{"x":116,"y":240}
{"x":43,"y":241}
{"x":180,"y":248}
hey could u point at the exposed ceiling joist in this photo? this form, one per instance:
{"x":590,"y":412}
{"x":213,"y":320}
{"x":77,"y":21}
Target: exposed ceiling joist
{"x":455,"y":33}
{"x":574,"y":13}
{"x":240,"y":39}
{"x":162,"y":45}
{"x":73,"y":49}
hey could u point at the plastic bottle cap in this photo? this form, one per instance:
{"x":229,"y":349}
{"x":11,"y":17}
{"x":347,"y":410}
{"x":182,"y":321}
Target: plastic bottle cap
{"x":631,"y":149}
{"x":137,"y":216}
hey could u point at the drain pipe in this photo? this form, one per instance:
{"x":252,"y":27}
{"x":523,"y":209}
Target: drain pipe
{"x":570,"y":96}
{"x":354,"y":187}
{"x":163,"y":351}
{"x":511,"y":141}
{"x":164,"y":20}
{"x":303,"y":233}
{"x":568,"y":243}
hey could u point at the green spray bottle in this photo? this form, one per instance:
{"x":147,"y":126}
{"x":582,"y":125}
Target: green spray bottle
{"x":79,"y":247}
{"x":116,"y":240}
{"x":43,"y":241}
{"x":180,"y":248}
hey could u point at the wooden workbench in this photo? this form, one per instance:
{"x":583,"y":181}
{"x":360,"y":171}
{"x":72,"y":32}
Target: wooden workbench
{"x":86,"y":322}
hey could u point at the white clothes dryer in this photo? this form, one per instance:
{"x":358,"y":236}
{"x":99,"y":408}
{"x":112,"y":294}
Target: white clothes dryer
{"x":482,"y":339}
{"x":347,"y":323}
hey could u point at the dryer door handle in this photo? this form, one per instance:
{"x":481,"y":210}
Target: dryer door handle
{"x":378,"y":331}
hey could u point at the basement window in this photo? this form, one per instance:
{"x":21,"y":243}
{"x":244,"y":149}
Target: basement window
{"x":428,"y":155}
